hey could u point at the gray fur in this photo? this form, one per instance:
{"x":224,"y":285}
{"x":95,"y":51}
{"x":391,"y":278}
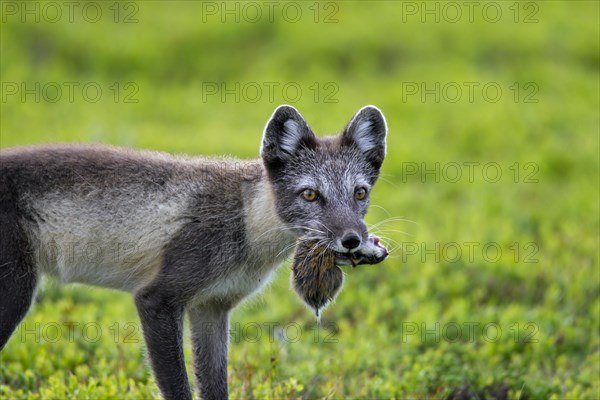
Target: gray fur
{"x":182,"y":234}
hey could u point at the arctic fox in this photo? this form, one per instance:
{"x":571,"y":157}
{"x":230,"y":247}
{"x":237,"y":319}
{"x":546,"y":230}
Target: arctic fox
{"x":193,"y":235}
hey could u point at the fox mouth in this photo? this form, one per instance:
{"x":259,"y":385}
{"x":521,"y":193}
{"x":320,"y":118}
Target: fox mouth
{"x":377,"y":253}
{"x":358,"y":258}
{"x":343,"y":258}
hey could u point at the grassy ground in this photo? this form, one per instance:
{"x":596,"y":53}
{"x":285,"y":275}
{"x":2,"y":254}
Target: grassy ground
{"x":493,"y":287}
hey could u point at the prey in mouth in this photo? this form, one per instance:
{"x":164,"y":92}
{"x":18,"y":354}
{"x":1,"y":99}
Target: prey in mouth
{"x":316,"y":273}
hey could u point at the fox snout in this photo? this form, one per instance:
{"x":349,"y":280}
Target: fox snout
{"x":350,"y":240}
{"x":347,"y":231}
{"x":357,"y":242}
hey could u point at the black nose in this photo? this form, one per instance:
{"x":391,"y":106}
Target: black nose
{"x":351,"y":240}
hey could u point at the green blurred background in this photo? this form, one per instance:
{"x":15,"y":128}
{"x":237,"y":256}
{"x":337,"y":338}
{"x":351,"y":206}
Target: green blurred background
{"x":470,"y":87}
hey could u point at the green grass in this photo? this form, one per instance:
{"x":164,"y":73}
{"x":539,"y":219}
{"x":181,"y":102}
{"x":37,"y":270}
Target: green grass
{"x":529,"y":318}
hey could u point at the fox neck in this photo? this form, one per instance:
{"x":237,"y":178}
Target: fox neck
{"x":267,"y":235}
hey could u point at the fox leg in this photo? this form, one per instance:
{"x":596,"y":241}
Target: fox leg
{"x":162,"y":322}
{"x":18,"y":272}
{"x":210,"y":338}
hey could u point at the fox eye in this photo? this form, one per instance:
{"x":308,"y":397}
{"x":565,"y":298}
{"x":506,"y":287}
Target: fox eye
{"x":309,"y":195}
{"x":360,"y":193}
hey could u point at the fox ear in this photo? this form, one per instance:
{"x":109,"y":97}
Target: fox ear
{"x":285,"y":133}
{"x":366,"y":131}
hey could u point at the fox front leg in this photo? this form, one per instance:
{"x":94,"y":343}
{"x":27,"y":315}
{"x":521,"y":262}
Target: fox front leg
{"x":210,"y":338}
{"x":162,"y":322}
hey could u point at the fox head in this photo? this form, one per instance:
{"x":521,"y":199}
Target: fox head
{"x":321,"y":186}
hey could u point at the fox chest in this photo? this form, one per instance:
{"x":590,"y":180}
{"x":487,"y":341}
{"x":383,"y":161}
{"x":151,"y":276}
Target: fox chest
{"x":244,"y":279}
